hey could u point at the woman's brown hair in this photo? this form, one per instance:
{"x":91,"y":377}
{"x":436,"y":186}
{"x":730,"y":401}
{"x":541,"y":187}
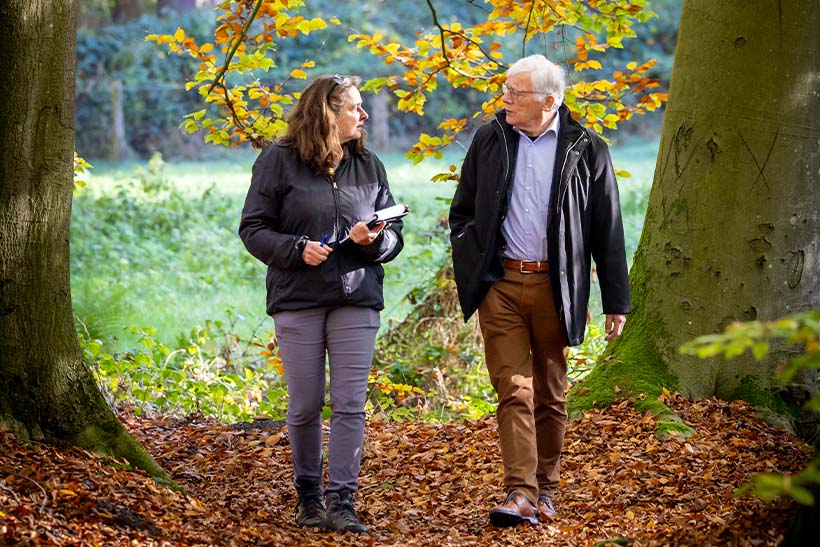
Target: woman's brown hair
{"x":312,"y":128}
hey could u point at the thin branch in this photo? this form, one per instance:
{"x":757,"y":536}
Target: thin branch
{"x":239,"y":41}
{"x":10,"y":491}
{"x":527,"y":30}
{"x":473,"y":4}
{"x":443,"y":32}
{"x":37,"y":484}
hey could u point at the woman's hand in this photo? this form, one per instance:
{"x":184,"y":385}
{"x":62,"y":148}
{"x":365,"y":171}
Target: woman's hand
{"x":362,"y":235}
{"x":315,"y":253}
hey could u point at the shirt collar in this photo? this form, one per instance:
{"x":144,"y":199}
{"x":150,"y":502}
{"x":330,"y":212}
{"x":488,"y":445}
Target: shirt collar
{"x":552,"y":127}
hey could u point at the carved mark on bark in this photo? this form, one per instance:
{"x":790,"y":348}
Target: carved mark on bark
{"x":795,"y":269}
{"x":683,"y":134}
{"x":760,"y":244}
{"x":713,"y":147}
{"x":761,"y":169}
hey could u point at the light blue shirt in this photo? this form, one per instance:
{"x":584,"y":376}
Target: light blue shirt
{"x":525,"y":226}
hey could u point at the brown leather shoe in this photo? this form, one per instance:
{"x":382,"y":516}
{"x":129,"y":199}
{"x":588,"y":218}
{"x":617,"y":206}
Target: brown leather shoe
{"x":545,"y":508}
{"x":515,"y":510}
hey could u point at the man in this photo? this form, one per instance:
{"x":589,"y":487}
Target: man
{"x":536,"y":201}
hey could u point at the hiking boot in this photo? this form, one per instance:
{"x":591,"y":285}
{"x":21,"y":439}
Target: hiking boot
{"x":311,"y":506}
{"x":340,"y":512}
{"x":545,"y":507}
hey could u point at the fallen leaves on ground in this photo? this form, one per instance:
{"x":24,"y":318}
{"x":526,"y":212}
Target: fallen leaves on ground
{"x":421,"y":484}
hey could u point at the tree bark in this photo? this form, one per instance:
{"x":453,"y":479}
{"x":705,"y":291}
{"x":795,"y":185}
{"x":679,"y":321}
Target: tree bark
{"x":47,"y":391}
{"x":732,"y":220}
{"x":380,"y":129}
{"x":164,"y":7}
{"x":120,"y":148}
{"x":125,"y":10}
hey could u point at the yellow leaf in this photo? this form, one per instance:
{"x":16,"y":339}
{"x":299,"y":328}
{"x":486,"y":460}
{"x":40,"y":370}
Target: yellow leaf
{"x":205,"y":48}
{"x":68,"y":492}
{"x":179,"y":35}
{"x":300,"y":74}
{"x":630,"y":515}
{"x":632,"y":65}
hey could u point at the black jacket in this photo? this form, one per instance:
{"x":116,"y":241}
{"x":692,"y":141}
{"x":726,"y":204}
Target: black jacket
{"x":287,"y":202}
{"x":585,"y":221}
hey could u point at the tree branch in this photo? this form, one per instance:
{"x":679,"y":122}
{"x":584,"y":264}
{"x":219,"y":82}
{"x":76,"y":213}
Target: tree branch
{"x":527,"y":29}
{"x":444,"y":31}
{"x":221,"y":74}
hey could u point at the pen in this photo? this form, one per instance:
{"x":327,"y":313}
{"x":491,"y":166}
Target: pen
{"x":324,"y":240}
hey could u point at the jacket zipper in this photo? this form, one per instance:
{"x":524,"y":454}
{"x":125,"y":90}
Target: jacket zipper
{"x":337,"y":224}
{"x":561,"y":190}
{"x":336,"y":220}
{"x":561,"y":187}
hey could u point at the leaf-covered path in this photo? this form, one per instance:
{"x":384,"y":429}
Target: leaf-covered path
{"x":422,"y":485}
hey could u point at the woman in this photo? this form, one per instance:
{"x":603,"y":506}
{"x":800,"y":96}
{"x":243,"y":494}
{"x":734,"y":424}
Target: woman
{"x":307,"y":193}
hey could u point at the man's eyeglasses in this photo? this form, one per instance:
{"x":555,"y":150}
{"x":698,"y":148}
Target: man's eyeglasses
{"x":516,"y":93}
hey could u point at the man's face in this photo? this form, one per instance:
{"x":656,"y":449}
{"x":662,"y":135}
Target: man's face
{"x":525,"y":111}
{"x":351,"y":117}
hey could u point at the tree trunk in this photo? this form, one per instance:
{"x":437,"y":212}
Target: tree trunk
{"x":125,"y":10}
{"x":380,"y":129}
{"x":120,"y":149}
{"x":731,"y":230}
{"x":165,"y":7}
{"x":46,"y":389}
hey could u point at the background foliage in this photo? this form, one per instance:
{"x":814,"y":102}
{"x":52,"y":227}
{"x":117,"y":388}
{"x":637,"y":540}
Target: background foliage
{"x":154,"y":82}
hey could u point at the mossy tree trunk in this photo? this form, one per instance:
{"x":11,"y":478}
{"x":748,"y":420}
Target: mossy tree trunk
{"x":731,"y":230}
{"x":46,"y":389}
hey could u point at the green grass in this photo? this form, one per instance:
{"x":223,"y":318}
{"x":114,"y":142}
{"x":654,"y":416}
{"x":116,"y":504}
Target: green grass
{"x":157,"y":245}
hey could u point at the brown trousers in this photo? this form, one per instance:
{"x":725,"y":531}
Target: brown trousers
{"x":526,"y":354}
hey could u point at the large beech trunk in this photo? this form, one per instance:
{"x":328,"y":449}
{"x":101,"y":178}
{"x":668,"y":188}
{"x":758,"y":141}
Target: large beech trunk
{"x":46,"y":389}
{"x":731,"y":230}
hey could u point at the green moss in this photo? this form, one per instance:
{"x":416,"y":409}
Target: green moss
{"x":632,"y":365}
{"x":666,"y":429}
{"x":654,"y":407}
{"x":751,"y":391}
{"x":120,"y":444}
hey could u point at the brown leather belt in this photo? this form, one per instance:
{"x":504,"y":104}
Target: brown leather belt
{"x":524,"y":266}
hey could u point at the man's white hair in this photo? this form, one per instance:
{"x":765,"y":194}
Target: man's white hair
{"x":547,"y":77}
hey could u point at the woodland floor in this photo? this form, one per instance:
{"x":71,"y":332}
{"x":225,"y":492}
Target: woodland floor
{"x":422,"y":485}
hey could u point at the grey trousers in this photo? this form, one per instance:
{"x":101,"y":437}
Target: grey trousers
{"x":346,"y":335}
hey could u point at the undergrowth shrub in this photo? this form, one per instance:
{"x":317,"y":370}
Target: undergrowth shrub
{"x":146,"y":243}
{"x":210,"y":372}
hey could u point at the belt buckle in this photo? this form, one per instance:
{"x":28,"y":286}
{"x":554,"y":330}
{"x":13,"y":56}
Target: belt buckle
{"x":523,"y":271}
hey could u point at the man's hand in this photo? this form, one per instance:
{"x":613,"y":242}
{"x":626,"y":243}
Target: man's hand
{"x":362,"y":235}
{"x":614,"y":326}
{"x":315,"y":253}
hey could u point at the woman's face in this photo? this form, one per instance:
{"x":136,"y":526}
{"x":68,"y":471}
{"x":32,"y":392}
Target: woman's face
{"x":351,"y":117}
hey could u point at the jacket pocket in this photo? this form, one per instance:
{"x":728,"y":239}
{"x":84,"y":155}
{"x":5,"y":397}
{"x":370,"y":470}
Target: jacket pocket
{"x":467,"y":255}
